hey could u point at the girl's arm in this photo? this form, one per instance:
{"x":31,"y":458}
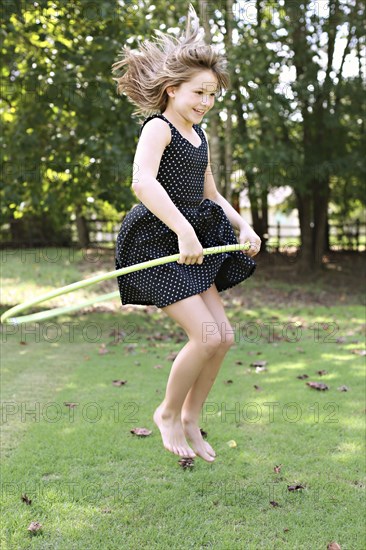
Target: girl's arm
{"x":153,"y":140}
{"x":211,"y":192}
{"x":156,"y":135}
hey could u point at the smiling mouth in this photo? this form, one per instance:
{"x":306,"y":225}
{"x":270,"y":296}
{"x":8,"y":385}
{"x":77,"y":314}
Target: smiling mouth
{"x":199,"y":112}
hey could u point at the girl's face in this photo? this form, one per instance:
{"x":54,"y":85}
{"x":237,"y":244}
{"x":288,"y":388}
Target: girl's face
{"x":194,"y":98}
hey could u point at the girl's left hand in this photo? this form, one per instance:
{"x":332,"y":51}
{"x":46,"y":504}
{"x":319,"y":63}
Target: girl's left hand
{"x":247,"y":234}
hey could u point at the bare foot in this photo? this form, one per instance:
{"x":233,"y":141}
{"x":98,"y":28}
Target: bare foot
{"x":201,"y":447}
{"x":172,"y":433}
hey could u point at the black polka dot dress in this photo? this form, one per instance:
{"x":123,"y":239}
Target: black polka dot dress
{"x":143,"y":236}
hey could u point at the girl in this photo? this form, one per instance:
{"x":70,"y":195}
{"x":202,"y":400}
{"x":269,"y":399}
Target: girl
{"x":174,"y":82}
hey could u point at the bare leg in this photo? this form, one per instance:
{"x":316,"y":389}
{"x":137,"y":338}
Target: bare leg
{"x":198,"y":392}
{"x":190,"y":313}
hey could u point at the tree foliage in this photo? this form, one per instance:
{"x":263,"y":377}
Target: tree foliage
{"x":296,"y":117}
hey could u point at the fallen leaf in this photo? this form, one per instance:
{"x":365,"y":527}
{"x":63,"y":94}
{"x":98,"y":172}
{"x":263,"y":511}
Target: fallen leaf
{"x":22,"y":343}
{"x":321,"y":372}
{"x":186,"y":462}
{"x":137,"y":363}
{"x":277,"y":469}
{"x":103,"y":350}
{"x":71,"y":405}
{"x":258,"y":388}
{"x":317,"y":386}
{"x":302,"y":376}
{"x":286,"y":529}
{"x":143,"y":432}
{"x":172,"y":355}
{"x":158,"y":366}
{"x":343,"y":388}
{"x":130,"y":348}
{"x":258,"y":364}
{"x":333,"y":546}
{"x":300,"y":350}
{"x":295,"y":487}
{"x":26,"y":499}
{"x":117,"y":333}
{"x":106,"y":511}
{"x":359,"y":351}
{"x":119,"y":382}
{"x":238,"y":362}
{"x":228,"y":381}
{"x":260,"y":369}
{"x":274,"y":503}
{"x":118,"y":336}
{"x":232,"y":443}
{"x":34,"y":527}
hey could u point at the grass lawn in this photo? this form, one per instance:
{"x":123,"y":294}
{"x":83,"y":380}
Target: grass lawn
{"x":95,"y":485}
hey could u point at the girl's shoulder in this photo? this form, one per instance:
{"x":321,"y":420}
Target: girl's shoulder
{"x":157,"y":117}
{"x":156,"y":126}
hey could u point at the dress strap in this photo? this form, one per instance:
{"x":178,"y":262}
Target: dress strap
{"x":153,"y":116}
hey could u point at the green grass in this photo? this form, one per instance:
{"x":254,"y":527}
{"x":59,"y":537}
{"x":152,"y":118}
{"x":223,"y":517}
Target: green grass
{"x":95,"y":485}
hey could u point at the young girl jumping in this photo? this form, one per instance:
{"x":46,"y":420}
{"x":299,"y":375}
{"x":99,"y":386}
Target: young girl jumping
{"x":174,"y":82}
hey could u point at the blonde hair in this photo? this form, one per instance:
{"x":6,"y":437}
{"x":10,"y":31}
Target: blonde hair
{"x":170,"y":61}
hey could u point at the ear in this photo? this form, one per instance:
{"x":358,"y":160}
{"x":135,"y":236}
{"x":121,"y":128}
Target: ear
{"x":170,"y":90}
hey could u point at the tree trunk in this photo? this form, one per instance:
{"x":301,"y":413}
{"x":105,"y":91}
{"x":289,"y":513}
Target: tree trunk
{"x":213,"y":118}
{"x":306,"y":249}
{"x":82,"y":228}
{"x":320,"y":221}
{"x":228,"y":39}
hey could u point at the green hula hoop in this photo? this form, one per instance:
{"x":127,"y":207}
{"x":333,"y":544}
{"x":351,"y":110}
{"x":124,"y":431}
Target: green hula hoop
{"x":42,"y":315}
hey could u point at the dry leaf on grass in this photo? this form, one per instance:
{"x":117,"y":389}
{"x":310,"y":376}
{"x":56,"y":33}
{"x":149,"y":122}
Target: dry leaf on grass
{"x":317,"y":386}
{"x":186,"y":463}
{"x":258,"y":363}
{"x":260,"y":369}
{"x":119,"y":382}
{"x":295,"y":487}
{"x":142,"y":432}
{"x":359,"y":351}
{"x":34,"y":527}
{"x":103,"y":350}
{"x":26,"y":499}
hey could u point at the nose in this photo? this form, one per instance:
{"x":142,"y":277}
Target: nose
{"x":207,"y":100}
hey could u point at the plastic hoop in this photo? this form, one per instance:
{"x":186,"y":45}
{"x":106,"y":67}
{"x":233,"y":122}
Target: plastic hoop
{"x":42,"y":315}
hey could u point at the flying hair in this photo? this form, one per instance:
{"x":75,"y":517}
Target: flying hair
{"x":168,"y":61}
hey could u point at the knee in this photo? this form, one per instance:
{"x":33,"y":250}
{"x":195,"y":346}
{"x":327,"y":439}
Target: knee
{"x":219,"y":341}
{"x":211,"y":344}
{"x":227,"y":338}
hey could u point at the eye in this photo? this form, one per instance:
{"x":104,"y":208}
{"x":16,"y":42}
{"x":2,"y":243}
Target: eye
{"x":212,"y":94}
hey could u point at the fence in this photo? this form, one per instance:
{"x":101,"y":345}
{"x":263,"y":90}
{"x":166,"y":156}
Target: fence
{"x":347,"y":236}
{"x":280,"y":238}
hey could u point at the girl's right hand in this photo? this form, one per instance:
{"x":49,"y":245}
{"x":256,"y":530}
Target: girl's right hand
{"x":191,"y":251}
